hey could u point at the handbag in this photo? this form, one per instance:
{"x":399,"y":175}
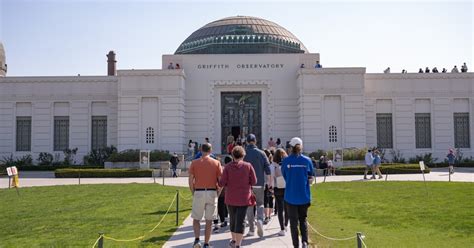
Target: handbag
{"x":253,"y":198}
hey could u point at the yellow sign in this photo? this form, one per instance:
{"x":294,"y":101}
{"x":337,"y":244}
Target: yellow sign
{"x":16,"y":181}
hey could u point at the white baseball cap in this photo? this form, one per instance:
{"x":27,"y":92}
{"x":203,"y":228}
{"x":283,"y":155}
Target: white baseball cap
{"x":296,"y":141}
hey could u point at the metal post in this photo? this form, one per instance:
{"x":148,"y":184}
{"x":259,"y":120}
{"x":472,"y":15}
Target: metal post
{"x":163,"y":175}
{"x":79,"y":177}
{"x":177,"y":206}
{"x":101,"y":240}
{"x":386,"y":176}
{"x":153,"y":174}
{"x":449,"y":173}
{"x":9,"y":182}
{"x":359,"y":240}
{"x":325,"y":171}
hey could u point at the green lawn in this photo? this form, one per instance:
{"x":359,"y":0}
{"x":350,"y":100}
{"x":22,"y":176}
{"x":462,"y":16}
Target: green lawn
{"x":394,"y":214}
{"x":67,"y":216}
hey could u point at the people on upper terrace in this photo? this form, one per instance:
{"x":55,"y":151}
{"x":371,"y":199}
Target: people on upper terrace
{"x":455,"y":69}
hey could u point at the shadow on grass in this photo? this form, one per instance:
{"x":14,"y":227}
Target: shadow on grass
{"x":161,"y":212}
{"x":162,"y":238}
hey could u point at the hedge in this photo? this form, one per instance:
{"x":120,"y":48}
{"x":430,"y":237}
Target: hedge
{"x":51,"y":167}
{"x":133,"y":156}
{"x":385,"y":169}
{"x":463,"y":164}
{"x":91,"y":173}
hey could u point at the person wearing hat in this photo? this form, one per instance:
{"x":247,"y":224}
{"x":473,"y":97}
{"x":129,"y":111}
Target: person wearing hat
{"x":259,"y":161}
{"x":451,"y":158}
{"x":297,"y":170}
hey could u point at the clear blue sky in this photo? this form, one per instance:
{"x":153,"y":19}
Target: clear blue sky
{"x":72,"y":37}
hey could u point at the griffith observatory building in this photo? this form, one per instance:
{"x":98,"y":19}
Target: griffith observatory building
{"x":237,"y":75}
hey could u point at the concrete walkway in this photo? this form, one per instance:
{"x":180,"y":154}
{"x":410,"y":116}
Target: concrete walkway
{"x":46,"y":178}
{"x":184,"y":236}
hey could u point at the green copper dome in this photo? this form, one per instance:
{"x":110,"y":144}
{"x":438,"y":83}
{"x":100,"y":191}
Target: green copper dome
{"x":241,"y":34}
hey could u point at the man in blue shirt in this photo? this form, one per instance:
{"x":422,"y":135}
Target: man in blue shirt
{"x":260,"y":164}
{"x":297,"y":170}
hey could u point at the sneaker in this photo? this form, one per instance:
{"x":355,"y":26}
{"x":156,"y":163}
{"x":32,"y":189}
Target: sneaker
{"x":215,"y":229}
{"x":380,"y":177}
{"x":282,"y":233}
{"x":224,"y":224}
{"x":197,"y":244}
{"x":207,"y":246}
{"x":266,"y":220}
{"x":232,"y":244}
{"x":260,"y":228}
{"x":373,"y":177}
{"x":365,"y":178}
{"x":305,"y":245}
{"x":250,"y":234}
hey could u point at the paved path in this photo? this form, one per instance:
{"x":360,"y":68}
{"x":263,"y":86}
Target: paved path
{"x":46,"y":178}
{"x":184,"y":236}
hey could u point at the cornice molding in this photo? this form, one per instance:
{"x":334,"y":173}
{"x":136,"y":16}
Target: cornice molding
{"x":164,"y":72}
{"x":333,"y":70}
{"x":410,"y":76}
{"x":67,"y":79}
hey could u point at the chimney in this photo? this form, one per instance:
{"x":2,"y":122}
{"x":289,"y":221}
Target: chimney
{"x":111,"y":64}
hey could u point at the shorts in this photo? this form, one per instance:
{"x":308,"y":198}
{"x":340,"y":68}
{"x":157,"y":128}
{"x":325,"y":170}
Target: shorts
{"x":204,"y":204}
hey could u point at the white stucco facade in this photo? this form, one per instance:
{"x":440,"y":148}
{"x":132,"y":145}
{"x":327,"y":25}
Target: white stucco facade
{"x":162,"y":109}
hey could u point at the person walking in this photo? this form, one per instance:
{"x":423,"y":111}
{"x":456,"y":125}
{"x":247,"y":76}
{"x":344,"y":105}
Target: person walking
{"x":451,"y":159}
{"x":369,"y":161}
{"x":279,"y":189}
{"x":174,"y":160}
{"x":204,"y":175}
{"x":297,"y":169}
{"x":222,"y":212}
{"x":259,"y":161}
{"x":238,"y":178}
{"x":376,"y":164}
{"x":268,"y":192}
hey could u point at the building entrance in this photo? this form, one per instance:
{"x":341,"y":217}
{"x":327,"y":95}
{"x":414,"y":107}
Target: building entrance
{"x":241,"y":114}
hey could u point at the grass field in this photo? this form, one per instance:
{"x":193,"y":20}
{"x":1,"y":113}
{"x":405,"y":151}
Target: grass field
{"x":394,"y":214}
{"x":390,"y":214}
{"x":72,"y":216}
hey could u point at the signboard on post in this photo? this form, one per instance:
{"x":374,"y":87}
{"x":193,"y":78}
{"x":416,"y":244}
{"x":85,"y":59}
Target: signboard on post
{"x":144,"y":159}
{"x":13,"y":179}
{"x":422,"y":166}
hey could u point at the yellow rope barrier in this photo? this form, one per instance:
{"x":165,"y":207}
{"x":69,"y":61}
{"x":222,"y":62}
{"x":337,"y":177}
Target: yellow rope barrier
{"x":326,"y":237}
{"x":141,"y":237}
{"x":97,"y":241}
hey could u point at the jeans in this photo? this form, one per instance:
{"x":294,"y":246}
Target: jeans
{"x":259,"y":194}
{"x":237,"y":217}
{"x":297,"y":215}
{"x":281,"y":208}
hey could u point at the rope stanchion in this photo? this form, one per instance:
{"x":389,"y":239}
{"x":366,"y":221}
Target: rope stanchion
{"x":143,"y":236}
{"x":362,"y":240}
{"x":97,"y":241}
{"x":329,"y":238}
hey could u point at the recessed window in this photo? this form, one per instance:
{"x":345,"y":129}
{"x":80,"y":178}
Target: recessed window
{"x":99,"y":132}
{"x":150,"y":135}
{"x":332,"y":134}
{"x":384,"y":130}
{"x":23,"y":133}
{"x":61,"y":133}
{"x":461,"y":130}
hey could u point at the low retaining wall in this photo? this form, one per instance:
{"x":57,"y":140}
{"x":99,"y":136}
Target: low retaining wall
{"x":136,"y":165}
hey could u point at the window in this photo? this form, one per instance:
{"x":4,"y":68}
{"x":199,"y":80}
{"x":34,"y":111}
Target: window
{"x":99,"y":132}
{"x":461,"y":130}
{"x":384,"y":131}
{"x":23,"y":133}
{"x":61,"y":133}
{"x":150,"y":135}
{"x":332,"y":134}
{"x":423,"y":130}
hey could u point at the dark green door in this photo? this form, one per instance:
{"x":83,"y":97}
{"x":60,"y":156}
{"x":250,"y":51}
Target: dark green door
{"x":244,"y":110}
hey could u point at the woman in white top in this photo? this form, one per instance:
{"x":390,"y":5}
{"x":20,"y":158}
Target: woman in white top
{"x":279,"y":189}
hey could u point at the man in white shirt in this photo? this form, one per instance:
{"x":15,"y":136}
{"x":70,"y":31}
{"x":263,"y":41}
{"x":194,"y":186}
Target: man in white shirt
{"x":369,"y":161}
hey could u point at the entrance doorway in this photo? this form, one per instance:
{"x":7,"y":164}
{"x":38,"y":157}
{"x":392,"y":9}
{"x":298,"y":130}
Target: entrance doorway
{"x":241,"y":114}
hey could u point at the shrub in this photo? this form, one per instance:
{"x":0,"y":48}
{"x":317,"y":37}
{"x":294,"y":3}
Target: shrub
{"x":354,"y":153}
{"x":69,"y":155}
{"x":25,"y":160}
{"x":397,"y":157}
{"x":134,"y":156}
{"x":8,"y":161}
{"x":99,"y":156}
{"x":45,"y":158}
{"x":427,"y":158}
{"x":385,"y":169}
{"x":91,"y":173}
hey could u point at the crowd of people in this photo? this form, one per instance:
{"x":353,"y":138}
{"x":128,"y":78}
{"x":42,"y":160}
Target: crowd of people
{"x":434,"y":70}
{"x":245,"y":188}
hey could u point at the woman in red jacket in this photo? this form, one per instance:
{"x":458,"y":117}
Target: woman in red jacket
{"x":238,"y":178}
